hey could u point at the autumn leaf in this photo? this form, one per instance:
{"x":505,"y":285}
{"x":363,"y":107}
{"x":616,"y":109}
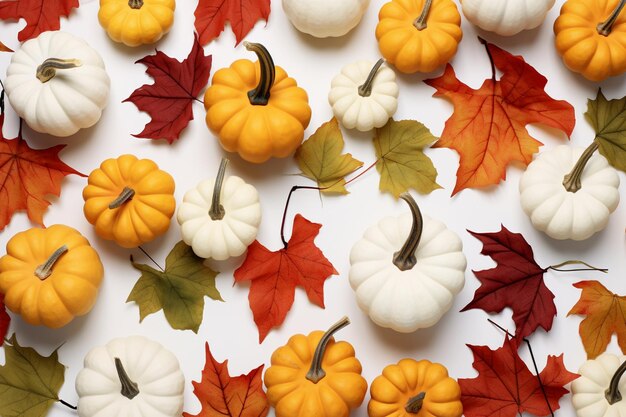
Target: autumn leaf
{"x":4,"y":48}
{"x":505,"y":387}
{"x":40,"y":15}
{"x":179,"y":290}
{"x":275,"y":275}
{"x":608,"y":118}
{"x":224,"y":396}
{"x":401,"y":161}
{"x":320,"y":158}
{"x":488,"y":126}
{"x":29,"y":382}
{"x":5,"y":320}
{"x":169,"y":100}
{"x":211,"y":17}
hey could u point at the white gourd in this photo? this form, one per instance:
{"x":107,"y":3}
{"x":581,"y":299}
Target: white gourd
{"x":599,"y":389}
{"x":131,"y":377}
{"x":364,"y":96}
{"x":67,"y":93}
{"x":506,"y":17}
{"x":325,"y":18}
{"x":407,"y":270}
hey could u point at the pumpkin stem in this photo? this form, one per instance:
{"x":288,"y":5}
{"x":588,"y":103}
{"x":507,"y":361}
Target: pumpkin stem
{"x":260,"y":96}
{"x":365,"y":89}
{"x":316,"y":373}
{"x":414,"y":404}
{"x":125,"y":196}
{"x":576,"y":262}
{"x":612,"y":393}
{"x":420,"y":22}
{"x":48,"y":69}
{"x":217,"y":210}
{"x":44,"y":270}
{"x":571,"y":181}
{"x":405,"y":259}
{"x":129,"y":388}
{"x":135,"y":4}
{"x":604,"y":28}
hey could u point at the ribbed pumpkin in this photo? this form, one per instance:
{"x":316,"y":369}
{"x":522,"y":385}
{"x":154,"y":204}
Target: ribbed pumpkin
{"x":136,"y":22}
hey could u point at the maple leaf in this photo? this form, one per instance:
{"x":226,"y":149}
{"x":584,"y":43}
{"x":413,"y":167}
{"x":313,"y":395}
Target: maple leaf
{"x":179,"y":290}
{"x":488,"y":126}
{"x":5,"y":320}
{"x":505,"y":387}
{"x":608,"y":118}
{"x":224,"y":396}
{"x":211,"y":17}
{"x":40,"y":15}
{"x":176,"y":85}
{"x":275,"y":275}
{"x":320,"y":158}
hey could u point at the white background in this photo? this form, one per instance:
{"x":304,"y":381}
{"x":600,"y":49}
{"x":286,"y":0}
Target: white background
{"x":228,"y":326}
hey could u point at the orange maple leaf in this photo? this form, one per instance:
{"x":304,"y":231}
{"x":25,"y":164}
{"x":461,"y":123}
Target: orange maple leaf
{"x":488,"y":126}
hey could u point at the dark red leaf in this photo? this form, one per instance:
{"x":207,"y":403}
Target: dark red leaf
{"x":40,"y":15}
{"x":5,"y":320}
{"x":211,"y":17}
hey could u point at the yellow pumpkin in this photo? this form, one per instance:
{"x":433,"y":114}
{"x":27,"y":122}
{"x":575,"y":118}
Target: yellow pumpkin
{"x":129,"y":200}
{"x":418,"y":35}
{"x":413,"y":388}
{"x":49,"y":276}
{"x":136,"y":22}
{"x":313,"y":376}
{"x":591,"y":37}
{"x":256,"y":109}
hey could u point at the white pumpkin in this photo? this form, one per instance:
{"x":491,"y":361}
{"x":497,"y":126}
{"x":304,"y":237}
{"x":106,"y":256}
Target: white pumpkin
{"x":575,"y":214}
{"x":506,"y":17}
{"x":406,"y":270}
{"x":131,"y":377}
{"x":325,"y":18}
{"x":57,"y":83}
{"x":220,"y":218}
{"x":599,"y":389}
{"x":364,"y":97}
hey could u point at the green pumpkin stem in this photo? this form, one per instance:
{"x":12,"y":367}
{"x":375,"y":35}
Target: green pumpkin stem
{"x":125,"y":196}
{"x":316,"y":373}
{"x":44,"y":270}
{"x":135,"y":4}
{"x":571,"y":181}
{"x":414,"y":405}
{"x":48,"y":69}
{"x":420,"y":23}
{"x":604,"y":28}
{"x":365,"y":89}
{"x":217,"y":212}
{"x":405,"y":259}
{"x":612,"y":393}
{"x":558,"y":267}
{"x":129,"y":388}
{"x":260,"y":95}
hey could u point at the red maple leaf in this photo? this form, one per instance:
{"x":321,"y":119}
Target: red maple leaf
{"x":224,"y":396}
{"x":505,"y":387}
{"x":275,"y":275}
{"x":40,"y":15}
{"x":5,"y":320}
{"x":211,"y":17}
{"x":176,"y":85}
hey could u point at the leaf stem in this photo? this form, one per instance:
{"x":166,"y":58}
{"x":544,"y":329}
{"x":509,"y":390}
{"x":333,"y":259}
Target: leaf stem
{"x":2,"y":97}
{"x":493,"y":66}
{"x":151,"y":258}
{"x":557,"y":267}
{"x":571,"y":181}
{"x":316,"y":373}
{"x":68,"y":405}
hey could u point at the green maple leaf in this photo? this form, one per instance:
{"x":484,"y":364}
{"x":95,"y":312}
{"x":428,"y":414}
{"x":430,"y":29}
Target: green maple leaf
{"x":29,"y":382}
{"x":608,"y":118}
{"x":179,"y":290}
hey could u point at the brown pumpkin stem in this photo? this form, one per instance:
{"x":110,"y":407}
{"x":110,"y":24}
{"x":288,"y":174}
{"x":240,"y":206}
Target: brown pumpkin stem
{"x":135,"y":4}
{"x":405,"y":259}
{"x":571,"y":181}
{"x":260,"y":96}
{"x":420,"y":23}
{"x":125,"y":196}
{"x":44,"y":270}
{"x":316,"y":373}
{"x":129,"y":388}
{"x":217,"y":212}
{"x":414,"y":405}
{"x":604,"y":28}
{"x":612,"y":393}
{"x":48,"y":69}
{"x":365,"y":89}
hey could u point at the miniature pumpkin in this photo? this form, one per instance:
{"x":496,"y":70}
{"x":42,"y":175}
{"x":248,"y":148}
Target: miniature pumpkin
{"x":220,"y":218}
{"x":415,"y":388}
{"x":57,"y":83}
{"x":325,"y":18}
{"x":255,"y":109}
{"x":314,"y":376}
{"x":506,"y":17}
{"x":569,"y":192}
{"x":136,"y":22}
{"x":590,"y":37}
{"x":129,"y":200}
{"x":598,"y":390}
{"x":49,"y":276}
{"x":418,"y":35}
{"x":131,"y":376}
{"x":364,"y":97}
{"x":406,"y":270}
